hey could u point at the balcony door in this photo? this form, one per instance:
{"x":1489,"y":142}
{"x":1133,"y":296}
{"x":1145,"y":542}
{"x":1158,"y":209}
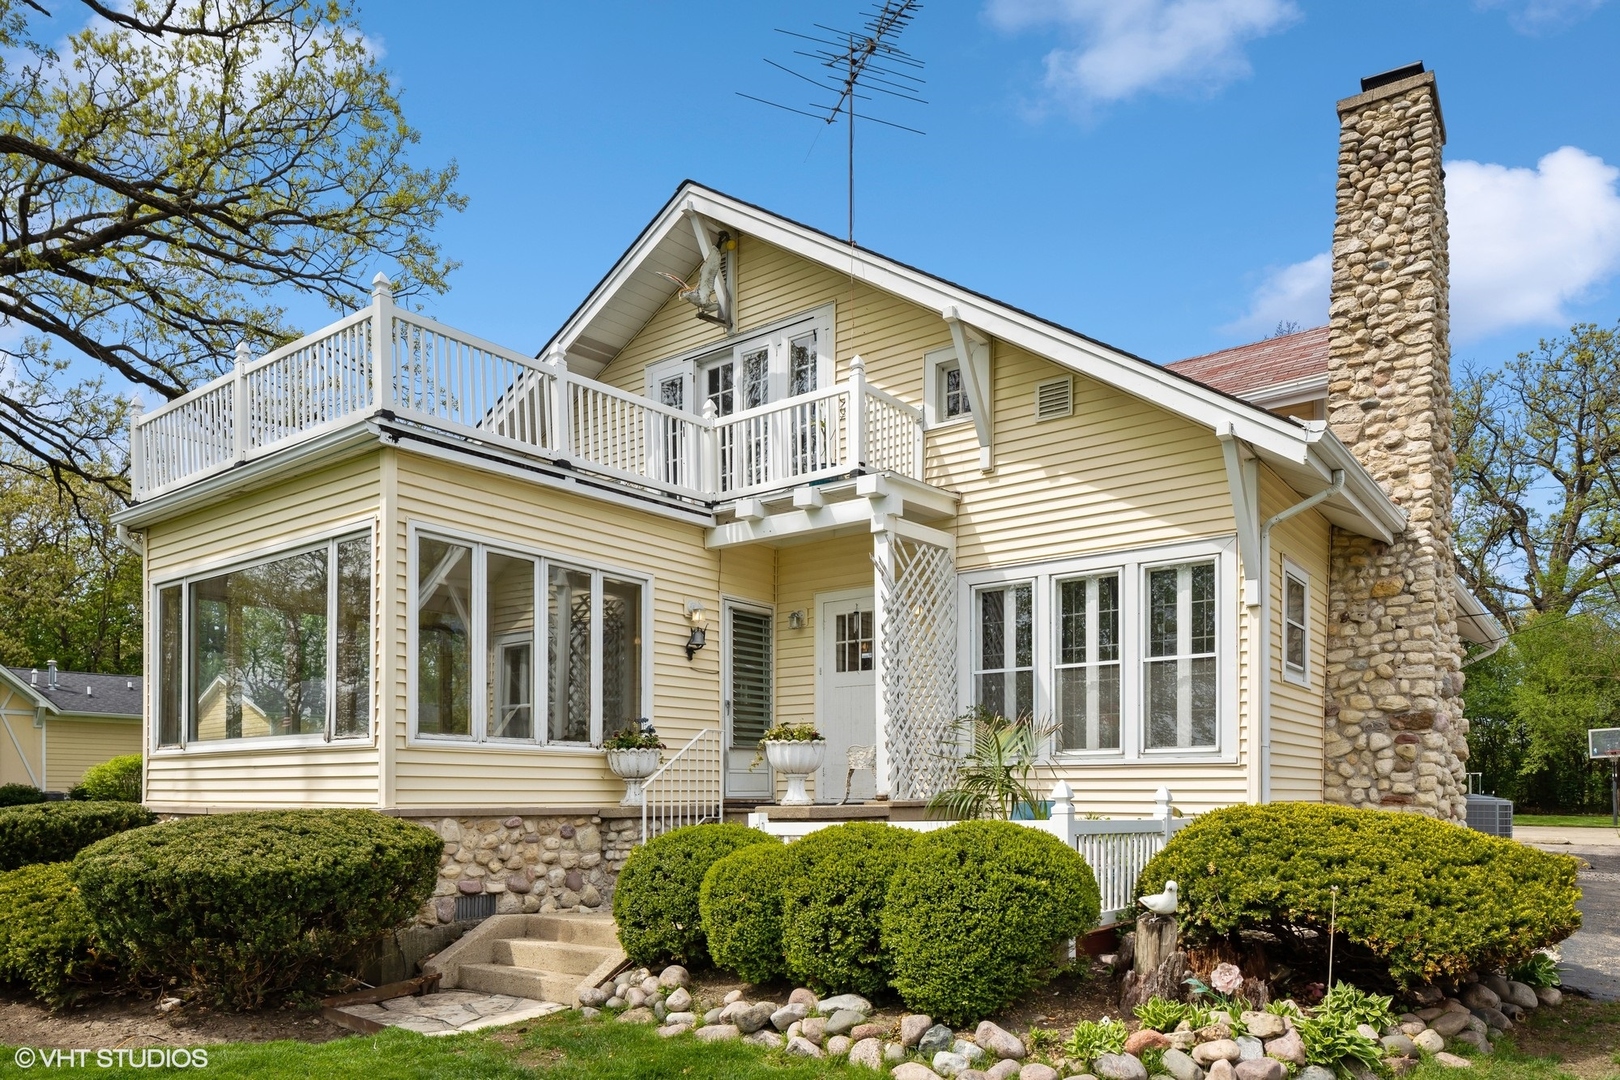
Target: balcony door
{"x":734,"y":382}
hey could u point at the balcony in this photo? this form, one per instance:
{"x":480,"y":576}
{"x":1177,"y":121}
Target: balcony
{"x":382,"y":362}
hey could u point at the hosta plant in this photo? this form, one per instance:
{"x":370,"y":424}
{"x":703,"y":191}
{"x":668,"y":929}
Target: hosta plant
{"x":1540,"y":970}
{"x":1331,"y":1040}
{"x":1161,"y":1014}
{"x":1093,"y":1038}
{"x":1357,"y":1007}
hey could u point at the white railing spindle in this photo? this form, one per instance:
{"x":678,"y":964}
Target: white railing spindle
{"x":686,"y":789}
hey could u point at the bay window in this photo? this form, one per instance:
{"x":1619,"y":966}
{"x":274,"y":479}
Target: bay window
{"x":518,"y":648}
{"x":278,"y":648}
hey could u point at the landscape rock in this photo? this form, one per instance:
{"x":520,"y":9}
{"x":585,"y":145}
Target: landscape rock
{"x":1119,"y":1067}
{"x":1430,"y":1013}
{"x":1036,"y":1071}
{"x":712,"y":1016}
{"x":842,"y":1021}
{"x":659,"y":1009}
{"x":971,"y":1073}
{"x":853,"y":1002}
{"x":814,"y":1028}
{"x":688,"y":1018}
{"x":1221,"y":1069}
{"x":1476,"y":1040}
{"x":911,"y":1070}
{"x":867,"y":1053}
{"x":1183,"y":1040}
{"x":754,"y":1017}
{"x":912,"y":1027}
{"x":937,"y":1038}
{"x":718,"y":1033}
{"x":1400,"y":1044}
{"x":635,"y":997}
{"x":614,"y":1002}
{"x":1429,"y":1041}
{"x":1447,"y":1024}
{"x":1004,"y":1069}
{"x":1453,"y":1061}
{"x":1264,"y":1025}
{"x":674,"y":976}
{"x":1494,"y":1017}
{"x":1181,"y":1067}
{"x":765,"y":1037}
{"x":641,"y":1015}
{"x":1250,"y":1048}
{"x":1479,"y":996}
{"x":589,"y":1012}
{"x":1289,"y":1048}
{"x":1521,"y":995}
{"x":1427,"y":995}
{"x":838,"y":1045}
{"x":788,"y":1015}
{"x":1213,"y":1033}
{"x":1367,"y":1031}
{"x":1261,"y":1069}
{"x":649,"y":986}
{"x":802,"y":1047}
{"x":893,"y":1051}
{"x":972,"y":1051}
{"x":1412,"y":1026}
{"x":947,"y":1063}
{"x":1549,"y":995}
{"x":679,"y":1000}
{"x":999,"y":1041}
{"x":593,"y":996}
{"x":1146,"y":1039}
{"x":868,"y":1031}
{"x":669,"y":1031}
{"x":803,"y":996}
{"x":1498,"y":985}
{"x":1208,"y":1053}
{"x":734,"y":995}
{"x":1515,"y":1013}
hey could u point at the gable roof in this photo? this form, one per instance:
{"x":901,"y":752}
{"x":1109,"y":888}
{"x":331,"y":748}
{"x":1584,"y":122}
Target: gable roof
{"x":111,"y":696}
{"x":1289,"y":363}
{"x":1304,"y":454}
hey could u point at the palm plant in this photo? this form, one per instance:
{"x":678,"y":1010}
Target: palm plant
{"x":995,"y":774}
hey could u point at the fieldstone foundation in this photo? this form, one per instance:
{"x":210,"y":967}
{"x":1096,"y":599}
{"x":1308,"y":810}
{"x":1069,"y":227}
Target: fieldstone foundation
{"x":1395,"y":732}
{"x":529,"y":862}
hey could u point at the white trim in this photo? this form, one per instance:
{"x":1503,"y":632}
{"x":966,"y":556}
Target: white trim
{"x":1131,"y":565}
{"x":728,"y":604}
{"x":935,"y":361}
{"x":776,"y":334}
{"x":1298,"y":676}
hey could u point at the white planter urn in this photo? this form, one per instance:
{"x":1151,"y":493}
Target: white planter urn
{"x":796,"y":760}
{"x":633,"y":766}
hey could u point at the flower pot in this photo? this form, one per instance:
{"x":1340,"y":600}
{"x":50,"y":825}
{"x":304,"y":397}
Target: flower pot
{"x":633,"y":766}
{"x":796,"y":760}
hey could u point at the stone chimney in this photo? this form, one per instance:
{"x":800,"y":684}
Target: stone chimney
{"x":1395,"y":737}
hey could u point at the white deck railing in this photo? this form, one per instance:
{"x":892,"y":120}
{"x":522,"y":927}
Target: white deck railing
{"x":1116,"y":849}
{"x":686,"y":789}
{"x":384,"y":359}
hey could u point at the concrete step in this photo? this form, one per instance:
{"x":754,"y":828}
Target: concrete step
{"x":595,"y":930}
{"x":518,"y":982}
{"x":559,"y":957}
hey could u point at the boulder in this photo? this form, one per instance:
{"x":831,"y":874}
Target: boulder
{"x":868,"y":1031}
{"x":669,"y":1031}
{"x":1521,"y":995}
{"x":1400,"y":1044}
{"x":867,"y":1053}
{"x":1549,"y":995}
{"x":1036,"y":1071}
{"x":1181,"y":1067}
{"x":970,"y":1050}
{"x":1119,"y":1067}
{"x":734,"y":995}
{"x":674,"y":976}
{"x":1498,"y":985}
{"x":641,"y":1015}
{"x":947,"y":1063}
{"x":999,"y":1041}
{"x":842,"y":1021}
{"x":593,"y":996}
{"x":679,"y":1000}
{"x":788,"y":1015}
{"x":1479,"y":996}
{"x":1250,"y":1048}
{"x":802,"y":1047}
{"x":718,"y":1033}
{"x":1427,"y":995}
{"x":712,"y":1016}
{"x":1145,"y":1039}
{"x":1316,"y":1072}
{"x":1262,"y":1069}
{"x":912,"y":1027}
{"x":635,"y":997}
{"x":838,"y":1045}
{"x":1429,"y":1041}
{"x":803,"y":996}
{"x":754,"y":1017}
{"x":893,"y":1052}
{"x":1221,"y":1069}
{"x":1264,"y":1025}
{"x":1496,"y":1018}
{"x":814,"y":1028}
{"x":1452,"y":1061}
{"x":853,"y":1002}
{"x":649,"y":985}
{"x":1004,"y":1069}
{"x":911,"y":1070}
{"x":1289,"y":1048}
{"x":687,"y":1018}
{"x":1213,"y":1033}
{"x":765,"y":1037}
{"x":1207,"y":1053}
{"x":1449,"y":1023}
{"x":937,"y":1038}
{"x":1476,"y":1040}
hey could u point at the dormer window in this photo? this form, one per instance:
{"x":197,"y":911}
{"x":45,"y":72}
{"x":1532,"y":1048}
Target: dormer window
{"x":781,"y":360}
{"x":953,"y":397}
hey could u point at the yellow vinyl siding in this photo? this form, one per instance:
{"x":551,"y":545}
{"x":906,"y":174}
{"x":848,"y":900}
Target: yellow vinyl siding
{"x":1296,"y":710}
{"x":803,"y":571}
{"x":73,"y":745}
{"x":20,"y":740}
{"x":214,"y":775}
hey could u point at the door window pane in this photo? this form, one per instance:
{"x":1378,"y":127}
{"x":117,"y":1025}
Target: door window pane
{"x":443,"y":638}
{"x":853,"y":641}
{"x":353,"y":669}
{"x":259,"y":654}
{"x":751,"y":685}
{"x":621,"y":655}
{"x":1004,"y":676}
{"x":1087,"y":677}
{"x":169,"y":689}
{"x":509,"y":630}
{"x":802,"y":364}
{"x":568,"y":607}
{"x":1181,"y":677}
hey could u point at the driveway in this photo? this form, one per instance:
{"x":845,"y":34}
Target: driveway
{"x":1592,"y":956}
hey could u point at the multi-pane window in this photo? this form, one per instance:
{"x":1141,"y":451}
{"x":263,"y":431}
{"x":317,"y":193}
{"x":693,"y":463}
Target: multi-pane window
{"x":1004,"y":650}
{"x":953,"y":396}
{"x":1086,"y":665}
{"x":281,"y":647}
{"x":804,"y":366}
{"x":1180,"y":680}
{"x":853,"y":641}
{"x":481,"y":672}
{"x":1296,"y":650}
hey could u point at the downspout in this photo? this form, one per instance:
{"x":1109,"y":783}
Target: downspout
{"x":1263,"y":646}
{"x":44,"y":762}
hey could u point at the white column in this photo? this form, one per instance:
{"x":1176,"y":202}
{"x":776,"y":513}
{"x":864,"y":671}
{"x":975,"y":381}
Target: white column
{"x":883,"y":560}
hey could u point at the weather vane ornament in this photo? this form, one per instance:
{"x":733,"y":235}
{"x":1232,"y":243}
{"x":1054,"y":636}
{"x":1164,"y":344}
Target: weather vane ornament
{"x":859,"y":63}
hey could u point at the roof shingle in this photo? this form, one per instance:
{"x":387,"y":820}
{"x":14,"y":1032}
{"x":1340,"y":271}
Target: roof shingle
{"x":110,"y":695}
{"x":1248,"y":370}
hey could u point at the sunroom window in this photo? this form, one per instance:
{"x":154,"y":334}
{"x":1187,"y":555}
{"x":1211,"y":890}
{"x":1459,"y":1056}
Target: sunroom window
{"x":1180,"y":676}
{"x":1004,"y":650}
{"x":1087,"y":667}
{"x":276,"y":648}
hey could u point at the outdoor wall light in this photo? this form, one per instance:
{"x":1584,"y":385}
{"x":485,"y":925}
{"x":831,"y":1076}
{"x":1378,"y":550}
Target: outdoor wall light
{"x":699,"y":621}
{"x":796,"y":619}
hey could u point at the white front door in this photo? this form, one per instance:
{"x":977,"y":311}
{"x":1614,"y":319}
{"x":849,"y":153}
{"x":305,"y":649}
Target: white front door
{"x":847,"y":695}
{"x":749,"y":691}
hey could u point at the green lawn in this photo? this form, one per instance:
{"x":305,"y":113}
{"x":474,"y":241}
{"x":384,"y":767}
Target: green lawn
{"x":1566,"y":821}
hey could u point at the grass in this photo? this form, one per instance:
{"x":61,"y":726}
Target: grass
{"x":1566,"y":821}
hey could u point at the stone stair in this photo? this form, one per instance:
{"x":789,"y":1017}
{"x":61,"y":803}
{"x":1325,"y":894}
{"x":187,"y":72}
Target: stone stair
{"x":544,"y":957}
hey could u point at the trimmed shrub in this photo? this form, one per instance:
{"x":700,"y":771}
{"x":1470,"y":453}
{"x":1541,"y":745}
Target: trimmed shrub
{"x":251,"y":905}
{"x":57,"y":831}
{"x":116,"y":780}
{"x":20,"y":794}
{"x":832,"y":905}
{"x":47,"y":942}
{"x":741,"y":902}
{"x":656,"y":902}
{"x":976,"y":915}
{"x":1426,"y":899}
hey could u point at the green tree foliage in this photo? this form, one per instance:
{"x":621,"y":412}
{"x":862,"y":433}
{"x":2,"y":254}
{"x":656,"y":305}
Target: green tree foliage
{"x":69,"y":591}
{"x":167,"y":172}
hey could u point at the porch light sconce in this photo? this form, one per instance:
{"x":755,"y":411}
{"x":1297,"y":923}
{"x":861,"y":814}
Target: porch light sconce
{"x":699,"y":621}
{"x":796,"y":619}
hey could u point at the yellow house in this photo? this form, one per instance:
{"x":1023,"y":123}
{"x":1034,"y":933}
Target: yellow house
{"x":59,"y":723}
{"x":761,"y":475}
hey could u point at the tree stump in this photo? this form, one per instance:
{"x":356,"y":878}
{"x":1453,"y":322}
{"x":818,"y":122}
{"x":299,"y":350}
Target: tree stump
{"x":1155,"y":942}
{"x":1157,"y":965}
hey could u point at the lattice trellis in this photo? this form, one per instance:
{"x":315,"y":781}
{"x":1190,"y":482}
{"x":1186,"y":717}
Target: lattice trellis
{"x":919,"y":665}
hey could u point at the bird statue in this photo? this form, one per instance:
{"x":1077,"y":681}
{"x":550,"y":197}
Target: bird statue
{"x":1164,"y":903}
{"x":704,"y":293}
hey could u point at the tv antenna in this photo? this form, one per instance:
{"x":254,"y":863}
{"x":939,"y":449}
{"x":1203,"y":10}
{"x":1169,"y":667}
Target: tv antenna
{"x":858,"y":63}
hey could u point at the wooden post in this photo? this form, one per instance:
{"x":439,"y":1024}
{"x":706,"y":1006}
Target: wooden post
{"x":1155,"y":942}
{"x":239,"y":402}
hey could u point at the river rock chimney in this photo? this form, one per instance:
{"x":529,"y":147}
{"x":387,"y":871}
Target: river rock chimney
{"x":1395,"y":737}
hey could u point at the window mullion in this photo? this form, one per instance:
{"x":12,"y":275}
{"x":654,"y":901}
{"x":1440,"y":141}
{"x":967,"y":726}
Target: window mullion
{"x":478,"y":675}
{"x":539,"y":663}
{"x":331,"y":637}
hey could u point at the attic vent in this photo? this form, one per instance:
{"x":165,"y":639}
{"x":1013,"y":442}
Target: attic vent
{"x":1054,"y":399}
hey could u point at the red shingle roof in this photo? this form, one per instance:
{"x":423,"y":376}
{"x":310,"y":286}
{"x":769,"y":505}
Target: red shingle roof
{"x":1250,"y":369}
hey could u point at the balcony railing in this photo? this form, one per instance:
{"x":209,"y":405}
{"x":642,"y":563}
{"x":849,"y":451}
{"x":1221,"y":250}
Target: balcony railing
{"x":384,"y":359}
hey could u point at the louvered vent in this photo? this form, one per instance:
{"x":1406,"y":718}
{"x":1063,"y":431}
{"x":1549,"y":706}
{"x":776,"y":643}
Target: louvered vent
{"x":1054,"y":398}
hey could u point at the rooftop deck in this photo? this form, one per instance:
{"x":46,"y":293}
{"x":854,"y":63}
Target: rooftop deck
{"x":382,"y":362}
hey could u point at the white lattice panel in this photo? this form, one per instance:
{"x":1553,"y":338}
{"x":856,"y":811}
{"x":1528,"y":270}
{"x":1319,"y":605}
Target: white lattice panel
{"x":919,"y":666}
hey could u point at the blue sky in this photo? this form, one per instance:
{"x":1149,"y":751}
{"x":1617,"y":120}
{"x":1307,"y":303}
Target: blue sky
{"x":1155,"y":173}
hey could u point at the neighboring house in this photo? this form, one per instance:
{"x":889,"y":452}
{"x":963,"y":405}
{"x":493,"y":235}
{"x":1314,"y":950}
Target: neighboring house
{"x":59,"y":723}
{"x":445,"y":570}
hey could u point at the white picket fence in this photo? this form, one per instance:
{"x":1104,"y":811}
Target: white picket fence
{"x":1117,"y":849}
{"x":381,"y":360}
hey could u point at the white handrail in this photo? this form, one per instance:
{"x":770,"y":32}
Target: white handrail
{"x":687,"y":789}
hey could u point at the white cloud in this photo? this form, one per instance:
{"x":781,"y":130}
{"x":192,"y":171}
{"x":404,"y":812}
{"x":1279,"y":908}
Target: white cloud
{"x":1525,"y":243}
{"x":1294,"y":294}
{"x":1543,"y":16}
{"x":1127,"y":47}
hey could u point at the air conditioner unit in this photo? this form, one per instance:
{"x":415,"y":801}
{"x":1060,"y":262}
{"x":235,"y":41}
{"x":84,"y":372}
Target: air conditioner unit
{"x":1489,"y":814}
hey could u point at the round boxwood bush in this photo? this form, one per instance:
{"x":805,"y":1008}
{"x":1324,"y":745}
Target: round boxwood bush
{"x":57,"y":831}
{"x":832,"y":905}
{"x":977,"y":913}
{"x":247,"y":906}
{"x":117,"y":779}
{"x":20,"y":794}
{"x":47,"y":942}
{"x":741,"y":902}
{"x":656,"y":902}
{"x":1426,"y":899}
